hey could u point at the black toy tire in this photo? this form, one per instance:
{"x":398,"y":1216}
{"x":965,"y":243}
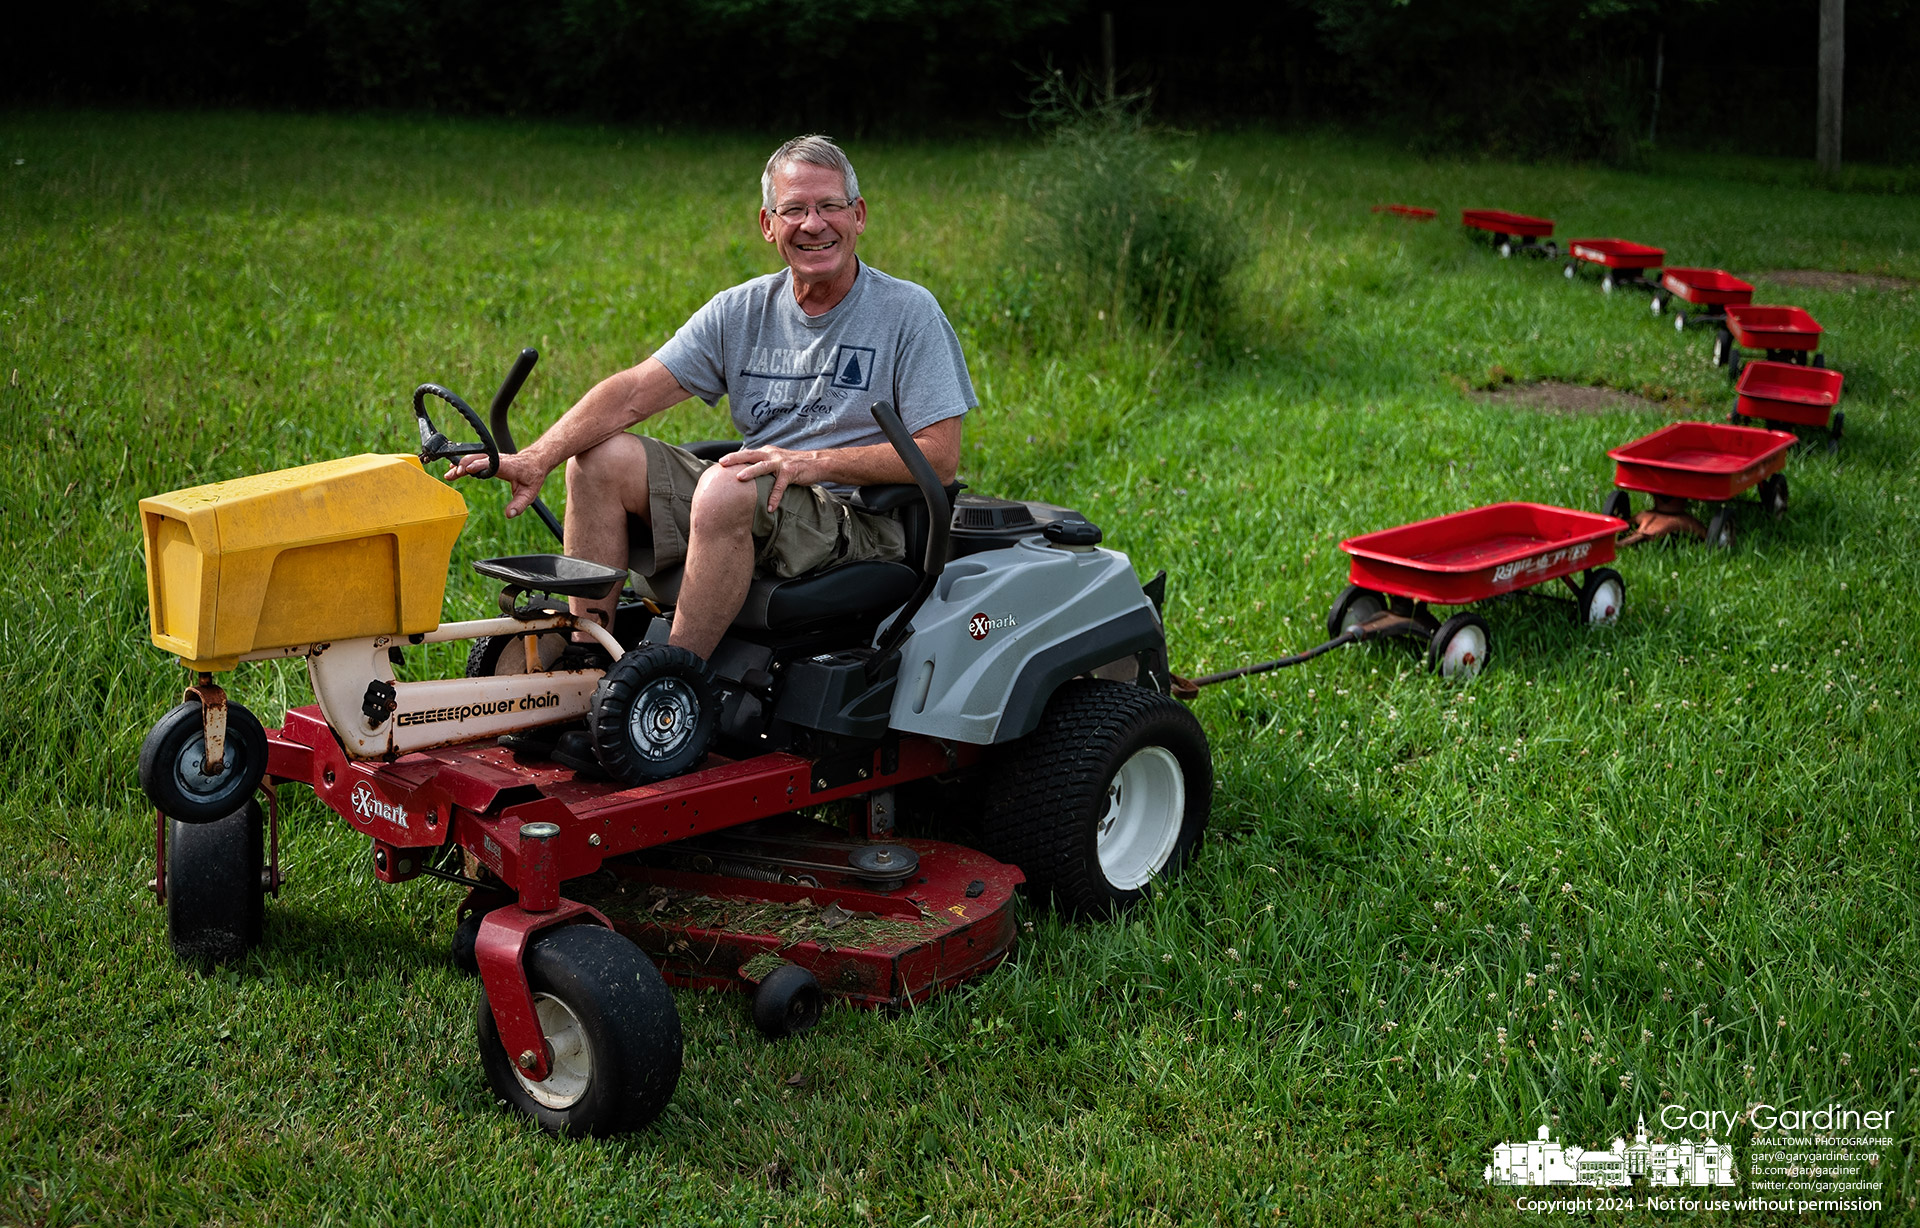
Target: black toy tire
{"x":1735,"y":364}
{"x":1618,"y":504}
{"x":1353,"y":601}
{"x":1606,"y":283}
{"x":174,"y":750}
{"x":489,"y":658}
{"x":1107,"y":760}
{"x":1603,"y":594}
{"x":1722,"y":347}
{"x":1441,"y":656}
{"x":216,"y":885}
{"x":1835,"y":428}
{"x":1504,"y":248}
{"x":1773,"y":495}
{"x":1568,"y":271}
{"x":1720,"y":531}
{"x":612,"y":1025}
{"x":1679,"y":321}
{"x":787,"y":1003}
{"x":1820,"y":361}
{"x":653,"y":713}
{"x":1655,"y":303}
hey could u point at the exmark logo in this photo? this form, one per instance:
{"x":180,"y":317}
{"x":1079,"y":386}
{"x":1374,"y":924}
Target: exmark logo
{"x":980,"y":624}
{"x":367,"y":806}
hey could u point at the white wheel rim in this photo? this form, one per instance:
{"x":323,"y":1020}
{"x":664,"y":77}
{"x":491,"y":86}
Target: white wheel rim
{"x":1603,"y":608}
{"x":1465,"y":653}
{"x":1567,"y":272}
{"x":1680,"y":323}
{"x":570,"y":1071}
{"x":1146,"y":806}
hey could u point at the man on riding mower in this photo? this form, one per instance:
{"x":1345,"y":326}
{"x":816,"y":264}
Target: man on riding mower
{"x":801,"y":354}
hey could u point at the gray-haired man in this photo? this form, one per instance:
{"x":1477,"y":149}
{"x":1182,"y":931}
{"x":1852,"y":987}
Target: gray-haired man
{"x":801,"y":355}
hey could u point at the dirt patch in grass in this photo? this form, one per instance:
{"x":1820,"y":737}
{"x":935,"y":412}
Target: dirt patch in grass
{"x":1556,"y":397}
{"x":1823,"y":279}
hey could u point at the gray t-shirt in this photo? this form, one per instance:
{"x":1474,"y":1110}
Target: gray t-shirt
{"x":800,"y":381}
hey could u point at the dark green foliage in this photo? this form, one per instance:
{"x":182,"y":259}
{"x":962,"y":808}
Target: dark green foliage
{"x":1123,"y":221}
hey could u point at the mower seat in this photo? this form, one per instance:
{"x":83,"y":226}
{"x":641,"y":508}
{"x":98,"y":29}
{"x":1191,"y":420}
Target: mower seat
{"x":863,"y":592}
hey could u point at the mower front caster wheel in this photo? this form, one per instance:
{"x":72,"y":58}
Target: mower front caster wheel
{"x":1459,"y":648}
{"x":787,"y":1003}
{"x":174,"y":770}
{"x":653,"y":713}
{"x":612,"y":1035}
{"x":1602,"y":596}
{"x":217,"y":885}
{"x":1106,"y":797}
{"x":1354,"y":606}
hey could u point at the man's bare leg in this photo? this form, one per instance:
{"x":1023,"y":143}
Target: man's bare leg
{"x":605,"y":484}
{"x":719,"y":561}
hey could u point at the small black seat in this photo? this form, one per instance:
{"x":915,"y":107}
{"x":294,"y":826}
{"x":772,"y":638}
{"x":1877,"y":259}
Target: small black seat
{"x":555,"y":574}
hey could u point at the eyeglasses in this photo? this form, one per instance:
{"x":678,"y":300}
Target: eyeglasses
{"x":830,"y":210}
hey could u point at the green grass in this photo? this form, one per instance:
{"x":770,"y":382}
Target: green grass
{"x":1670,"y":836}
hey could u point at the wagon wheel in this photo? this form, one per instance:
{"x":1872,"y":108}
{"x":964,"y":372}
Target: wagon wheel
{"x":1820,"y":360}
{"x":1773,"y":495}
{"x":1603,"y":594}
{"x":1460,"y":647}
{"x":1735,"y":365}
{"x":1655,"y":303}
{"x":1618,"y":504}
{"x":1722,"y":347}
{"x":1352,"y":607}
{"x":612,"y":1033}
{"x":1567,"y":272}
{"x":1606,"y":283}
{"x":1506,"y":249}
{"x":1550,"y":248}
{"x":1720,"y":534}
{"x":1679,"y":321}
{"x":1834,"y":429}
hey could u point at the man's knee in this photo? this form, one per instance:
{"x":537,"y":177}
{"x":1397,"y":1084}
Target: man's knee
{"x":723,"y":503}
{"x":613,"y":470}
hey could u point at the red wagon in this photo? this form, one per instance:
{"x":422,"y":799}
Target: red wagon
{"x":1785,"y":394}
{"x":1512,"y":232}
{"x":1413,"y":213}
{"x":1622,"y":263}
{"x":1712,"y":291}
{"x":1787,"y":334}
{"x":1469,"y":556}
{"x":1696,"y":461}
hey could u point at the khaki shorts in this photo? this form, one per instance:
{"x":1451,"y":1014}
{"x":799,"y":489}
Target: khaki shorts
{"x":813,"y":528}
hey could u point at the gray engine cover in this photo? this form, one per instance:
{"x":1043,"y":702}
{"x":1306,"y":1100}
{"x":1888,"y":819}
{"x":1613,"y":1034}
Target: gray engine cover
{"x":1003,"y":628}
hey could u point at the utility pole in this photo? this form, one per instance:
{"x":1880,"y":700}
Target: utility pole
{"x":1832,"y":61}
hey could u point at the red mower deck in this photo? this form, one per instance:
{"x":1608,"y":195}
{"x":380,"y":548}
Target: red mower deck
{"x":1703,"y":461}
{"x":1622,"y":263}
{"x":1512,"y":233}
{"x":1711,"y":291}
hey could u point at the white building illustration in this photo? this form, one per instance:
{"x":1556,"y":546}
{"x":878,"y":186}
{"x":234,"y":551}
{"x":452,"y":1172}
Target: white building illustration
{"x":1542,"y":1161}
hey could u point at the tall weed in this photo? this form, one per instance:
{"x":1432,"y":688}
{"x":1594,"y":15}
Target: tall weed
{"x":1121,"y":225}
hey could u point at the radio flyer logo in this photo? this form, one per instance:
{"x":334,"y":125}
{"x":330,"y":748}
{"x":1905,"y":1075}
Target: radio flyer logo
{"x":981,"y":623}
{"x":1541,"y":562}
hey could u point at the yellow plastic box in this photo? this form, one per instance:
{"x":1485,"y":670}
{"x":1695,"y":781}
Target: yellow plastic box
{"x":334,"y":551}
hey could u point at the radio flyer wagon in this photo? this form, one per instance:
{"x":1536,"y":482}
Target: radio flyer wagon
{"x":1710,"y":291}
{"x":1787,"y":334}
{"x":1010,"y":659}
{"x":1459,"y":559}
{"x":1412,"y":213}
{"x":1512,"y":232}
{"x":1621,"y":263}
{"x":1696,"y":461}
{"x":1785,"y":395}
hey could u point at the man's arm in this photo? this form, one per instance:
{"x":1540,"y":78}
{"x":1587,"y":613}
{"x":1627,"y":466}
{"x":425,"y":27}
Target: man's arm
{"x":871,"y":465}
{"x":610,"y":406}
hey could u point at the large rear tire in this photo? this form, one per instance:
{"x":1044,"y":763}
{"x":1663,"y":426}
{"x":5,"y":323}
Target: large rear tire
{"x":1108,"y":796}
{"x":611,"y":1028}
{"x":216,"y":885}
